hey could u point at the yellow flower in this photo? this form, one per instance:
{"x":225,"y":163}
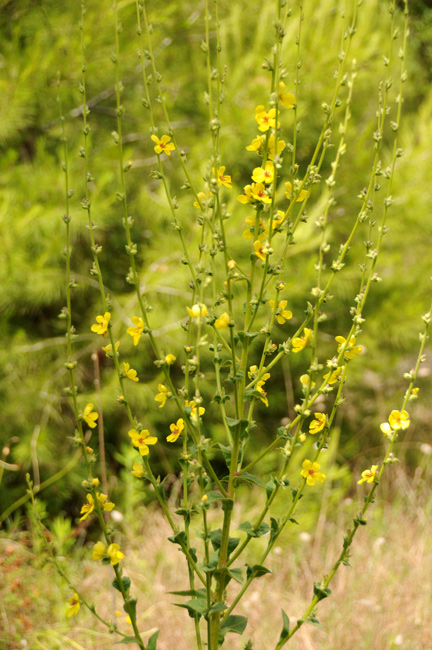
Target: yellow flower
{"x":101,"y":326}
{"x":195,"y":410}
{"x":264,"y":175}
{"x":304,"y":380}
{"x":197,"y":311}
{"x":300,"y":342}
{"x":302,"y":194}
{"x":98,"y":551}
{"x":351,"y":349}
{"x":164,"y":145}
{"x":204,"y":199}
{"x":126,"y":618}
{"x":281,"y":144}
{"x":310,"y":472}
{"x":74,"y":605}
{"x":277,"y":222}
{"x":222,"y":178}
{"x":266,"y":120}
{"x":176,"y":430}
{"x":137,"y":470}
{"x":87,"y":507}
{"x":247,"y":196}
{"x":252,"y":372}
{"x":260,"y":389}
{"x":136,"y":331}
{"x":109,"y":351}
{"x":286,"y":99}
{"x":222,"y":322}
{"x":162,"y":395}
{"x":104,"y":504}
{"x":130,"y":372}
{"x":256,"y":144}
{"x":415,"y":391}
{"x":282,"y":314}
{"x":90,"y":416}
{"x":249,"y":232}
{"x":261,"y":249}
{"x":397,"y":420}
{"x":318,"y":424}
{"x":169,"y":359}
{"x":258,"y":193}
{"x":332,"y":377}
{"x":114,"y":553}
{"x":141,"y":440}
{"x":368,"y":476}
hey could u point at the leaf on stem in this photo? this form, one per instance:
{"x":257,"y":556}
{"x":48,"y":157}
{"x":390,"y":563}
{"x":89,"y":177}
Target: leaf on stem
{"x":285,"y":628}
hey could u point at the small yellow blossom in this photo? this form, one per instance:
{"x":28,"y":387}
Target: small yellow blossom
{"x":318,"y":424}
{"x":247,"y":196}
{"x":222,"y":178}
{"x":169,"y":359}
{"x":222,"y":322}
{"x":351,"y":349}
{"x":310,"y":472}
{"x":95,"y":482}
{"x":87,"y":507}
{"x":164,"y":145}
{"x":281,"y":144}
{"x":141,"y":440}
{"x":74,"y":605}
{"x":249,"y":232}
{"x":197,"y":311}
{"x":195,"y":410}
{"x":333,"y":376}
{"x":204,"y":199}
{"x":176,"y":430}
{"x":302,"y":194}
{"x":300,"y":342}
{"x":114,"y":553}
{"x":101,"y":326}
{"x":256,"y":144}
{"x":104,"y":504}
{"x":258,"y":193}
{"x":399,"y":420}
{"x":260,"y":389}
{"x":368,"y":476}
{"x":126,"y":618}
{"x":277,"y":222}
{"x":282,"y":314}
{"x":232,"y":264}
{"x":162,"y":395}
{"x":415,"y":391}
{"x":304,"y":380}
{"x":98,"y":551}
{"x":286,"y":99}
{"x":90,"y":416}
{"x":302,"y":437}
{"x":264,"y":175}
{"x":265,"y":119}
{"x":252,"y":372}
{"x":261,"y":249}
{"x":130,"y":372}
{"x":109,"y":351}
{"x":136,"y":331}
{"x":137,"y":470}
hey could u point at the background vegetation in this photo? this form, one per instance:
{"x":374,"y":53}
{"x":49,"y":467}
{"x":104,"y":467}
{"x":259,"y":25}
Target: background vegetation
{"x":41,"y":39}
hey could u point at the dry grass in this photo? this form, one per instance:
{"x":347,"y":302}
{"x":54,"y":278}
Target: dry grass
{"x":383,"y":601}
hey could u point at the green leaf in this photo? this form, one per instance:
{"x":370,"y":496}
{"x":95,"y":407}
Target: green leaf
{"x":128,"y":639}
{"x":247,"y":527}
{"x":257,"y":570}
{"x":233,"y":424}
{"x":274,"y":527}
{"x":320,"y":592}
{"x":285,"y":627}
{"x":250,"y":478}
{"x":196,"y":593}
{"x":130,"y":607}
{"x":180,"y":538}
{"x":213,"y":495}
{"x":216,"y":539}
{"x":235,"y":624}
{"x":270,"y":486}
{"x":247,"y":335}
{"x":152,"y":641}
{"x":194,"y":606}
{"x":126,"y":583}
{"x":226,"y":451}
{"x":217,"y":607}
{"x":236,"y":574}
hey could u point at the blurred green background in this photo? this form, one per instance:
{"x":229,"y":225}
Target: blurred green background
{"x":41,"y":38}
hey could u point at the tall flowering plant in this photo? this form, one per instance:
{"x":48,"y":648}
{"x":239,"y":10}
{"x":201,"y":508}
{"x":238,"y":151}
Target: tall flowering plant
{"x":239,"y":324}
